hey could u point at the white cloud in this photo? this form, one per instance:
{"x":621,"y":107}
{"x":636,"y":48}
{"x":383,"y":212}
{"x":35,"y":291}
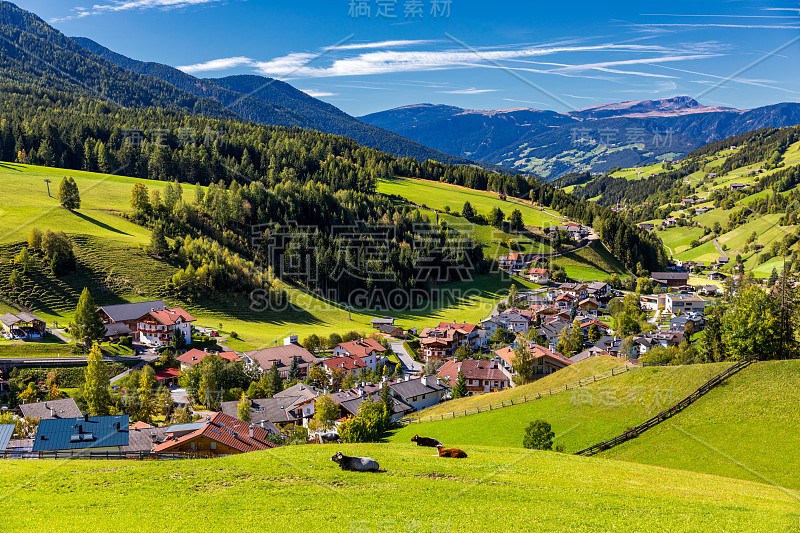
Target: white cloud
{"x":216,"y":64}
{"x":127,"y":5}
{"x":469,"y":91}
{"x":297,"y":64}
{"x":317,"y":94}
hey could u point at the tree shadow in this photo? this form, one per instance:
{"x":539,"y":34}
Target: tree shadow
{"x":11,"y":166}
{"x":96,"y":222}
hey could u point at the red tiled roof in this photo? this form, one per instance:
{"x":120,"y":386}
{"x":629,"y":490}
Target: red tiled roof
{"x":362,"y":347}
{"x":472,"y":369}
{"x":167,"y":373}
{"x":539,"y":271}
{"x":346,"y":362}
{"x":167,"y":317}
{"x":599,"y":324}
{"x":463,"y":327}
{"x":221,"y":428}
{"x":141,"y":425}
{"x":194,"y":356}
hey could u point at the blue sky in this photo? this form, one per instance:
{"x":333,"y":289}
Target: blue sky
{"x":480,"y":55}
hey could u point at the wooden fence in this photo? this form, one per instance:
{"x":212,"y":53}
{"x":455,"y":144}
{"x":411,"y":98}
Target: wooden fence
{"x":521,"y":399}
{"x":83,"y":454}
{"x":664,"y":415}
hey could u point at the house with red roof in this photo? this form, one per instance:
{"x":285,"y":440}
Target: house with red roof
{"x":605,"y":329}
{"x":546,"y":361}
{"x":367,"y":350}
{"x":347,"y":363}
{"x":157,"y":327}
{"x":194,"y":357}
{"x":442,"y":341}
{"x":219,"y":436}
{"x":168,"y":377}
{"x":481,"y":375}
{"x":539,"y":275}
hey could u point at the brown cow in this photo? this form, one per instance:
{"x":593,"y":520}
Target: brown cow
{"x":455,"y":453}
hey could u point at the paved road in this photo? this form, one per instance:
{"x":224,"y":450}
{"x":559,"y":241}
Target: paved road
{"x":408,"y":362}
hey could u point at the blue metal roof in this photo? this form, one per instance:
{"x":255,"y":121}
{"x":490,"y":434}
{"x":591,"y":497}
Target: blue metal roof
{"x":81,"y":433}
{"x":6,"y":431}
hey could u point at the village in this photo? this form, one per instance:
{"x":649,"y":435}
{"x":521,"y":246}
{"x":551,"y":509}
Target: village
{"x":275,"y":394}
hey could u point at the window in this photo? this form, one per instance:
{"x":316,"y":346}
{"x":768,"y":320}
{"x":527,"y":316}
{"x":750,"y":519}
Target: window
{"x":193,"y":445}
{"x":213,"y":445}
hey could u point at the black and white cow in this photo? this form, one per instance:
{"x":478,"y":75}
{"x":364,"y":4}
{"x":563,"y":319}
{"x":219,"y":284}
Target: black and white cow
{"x":355,"y":464}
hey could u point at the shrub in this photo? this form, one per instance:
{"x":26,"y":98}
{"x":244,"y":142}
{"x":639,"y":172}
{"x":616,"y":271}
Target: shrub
{"x":539,"y":436}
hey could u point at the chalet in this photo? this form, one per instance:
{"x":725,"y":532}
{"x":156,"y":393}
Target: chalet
{"x":282,"y":356}
{"x":688,"y":202}
{"x":539,"y":275}
{"x":703,"y":209}
{"x":442,"y":341}
{"x":194,"y":356}
{"x":739,"y":186}
{"x":391,"y":331}
{"x":547,"y":361}
{"x":22,"y":325}
{"x":350,"y":401}
{"x":579,"y":290}
{"x":49,"y":410}
{"x":126,"y":316}
{"x":514,"y":320}
{"x":158,"y":327}
{"x":481,"y":375}
{"x":647,"y":226}
{"x":612,"y":345}
{"x":368,"y":350}
{"x":168,"y":377}
{"x":678,"y":323}
{"x":670,"y":279}
{"x":683,"y":303}
{"x":669,"y":222}
{"x":552,"y":330}
{"x":346,"y":363}
{"x":514,"y":262}
{"x":710,"y":290}
{"x":716,"y":276}
{"x":589,"y":306}
{"x":82,"y":434}
{"x":220,"y":435}
{"x":646,"y":342}
{"x":566,"y":300}
{"x":419,"y":393}
{"x":598,"y":289}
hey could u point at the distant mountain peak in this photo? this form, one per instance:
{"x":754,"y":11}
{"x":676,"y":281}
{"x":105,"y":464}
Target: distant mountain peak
{"x":661,"y":107}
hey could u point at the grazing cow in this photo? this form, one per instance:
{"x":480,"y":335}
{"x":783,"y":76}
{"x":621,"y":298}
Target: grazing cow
{"x":425,"y":441}
{"x":329,"y":437}
{"x":455,"y":453}
{"x":355,"y":464}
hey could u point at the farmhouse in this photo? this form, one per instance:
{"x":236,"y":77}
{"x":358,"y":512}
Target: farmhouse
{"x":442,"y":341}
{"x":349,"y":405}
{"x":419,"y":393}
{"x":159,"y":327}
{"x":547,"y":361}
{"x":670,"y":279}
{"x":539,"y":275}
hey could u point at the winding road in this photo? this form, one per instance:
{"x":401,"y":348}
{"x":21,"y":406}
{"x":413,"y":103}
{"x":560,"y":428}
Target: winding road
{"x":409,"y":364}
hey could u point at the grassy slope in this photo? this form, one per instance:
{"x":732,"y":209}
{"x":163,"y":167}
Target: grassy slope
{"x":578,"y":371}
{"x":528,"y":491}
{"x":594,"y":262}
{"x":746,"y":429}
{"x":441,"y":195}
{"x":112,"y":264}
{"x":581,"y":417}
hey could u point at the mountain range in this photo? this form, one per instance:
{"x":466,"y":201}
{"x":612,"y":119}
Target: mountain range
{"x":596,"y":138}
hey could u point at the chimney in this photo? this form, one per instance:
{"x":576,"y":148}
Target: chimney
{"x":52,"y":413}
{"x":251,"y":430}
{"x":86,"y":417}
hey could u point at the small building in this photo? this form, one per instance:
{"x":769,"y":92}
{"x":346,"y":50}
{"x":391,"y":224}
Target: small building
{"x":22,"y":325}
{"x":194,"y":357}
{"x":547,"y":361}
{"x":684,"y":303}
{"x":168,"y":377}
{"x":647,"y":226}
{"x":419,"y":393}
{"x":49,"y":410}
{"x":368,"y":350}
{"x":87,"y":433}
{"x":385,"y":321}
{"x":539,"y":275}
{"x":391,"y":331}
{"x":282,"y":356}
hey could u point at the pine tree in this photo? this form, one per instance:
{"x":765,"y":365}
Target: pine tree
{"x":468,"y":211}
{"x":515,"y":221}
{"x":294,"y":370}
{"x":460,"y":390}
{"x":95,"y":387}
{"x":274,"y":382}
{"x":158,"y":241}
{"x":386,"y":398}
{"x":87,"y":325}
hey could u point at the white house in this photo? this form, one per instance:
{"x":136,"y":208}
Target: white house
{"x":158,"y":327}
{"x":368,"y":350}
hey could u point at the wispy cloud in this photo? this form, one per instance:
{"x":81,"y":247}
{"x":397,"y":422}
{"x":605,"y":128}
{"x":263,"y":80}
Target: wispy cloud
{"x":469,"y":91}
{"x":216,"y":64}
{"x":718,"y":25}
{"x":524,"y":101}
{"x":581,"y":97}
{"x":378,"y":44}
{"x":128,"y":5}
{"x":317,"y":94}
